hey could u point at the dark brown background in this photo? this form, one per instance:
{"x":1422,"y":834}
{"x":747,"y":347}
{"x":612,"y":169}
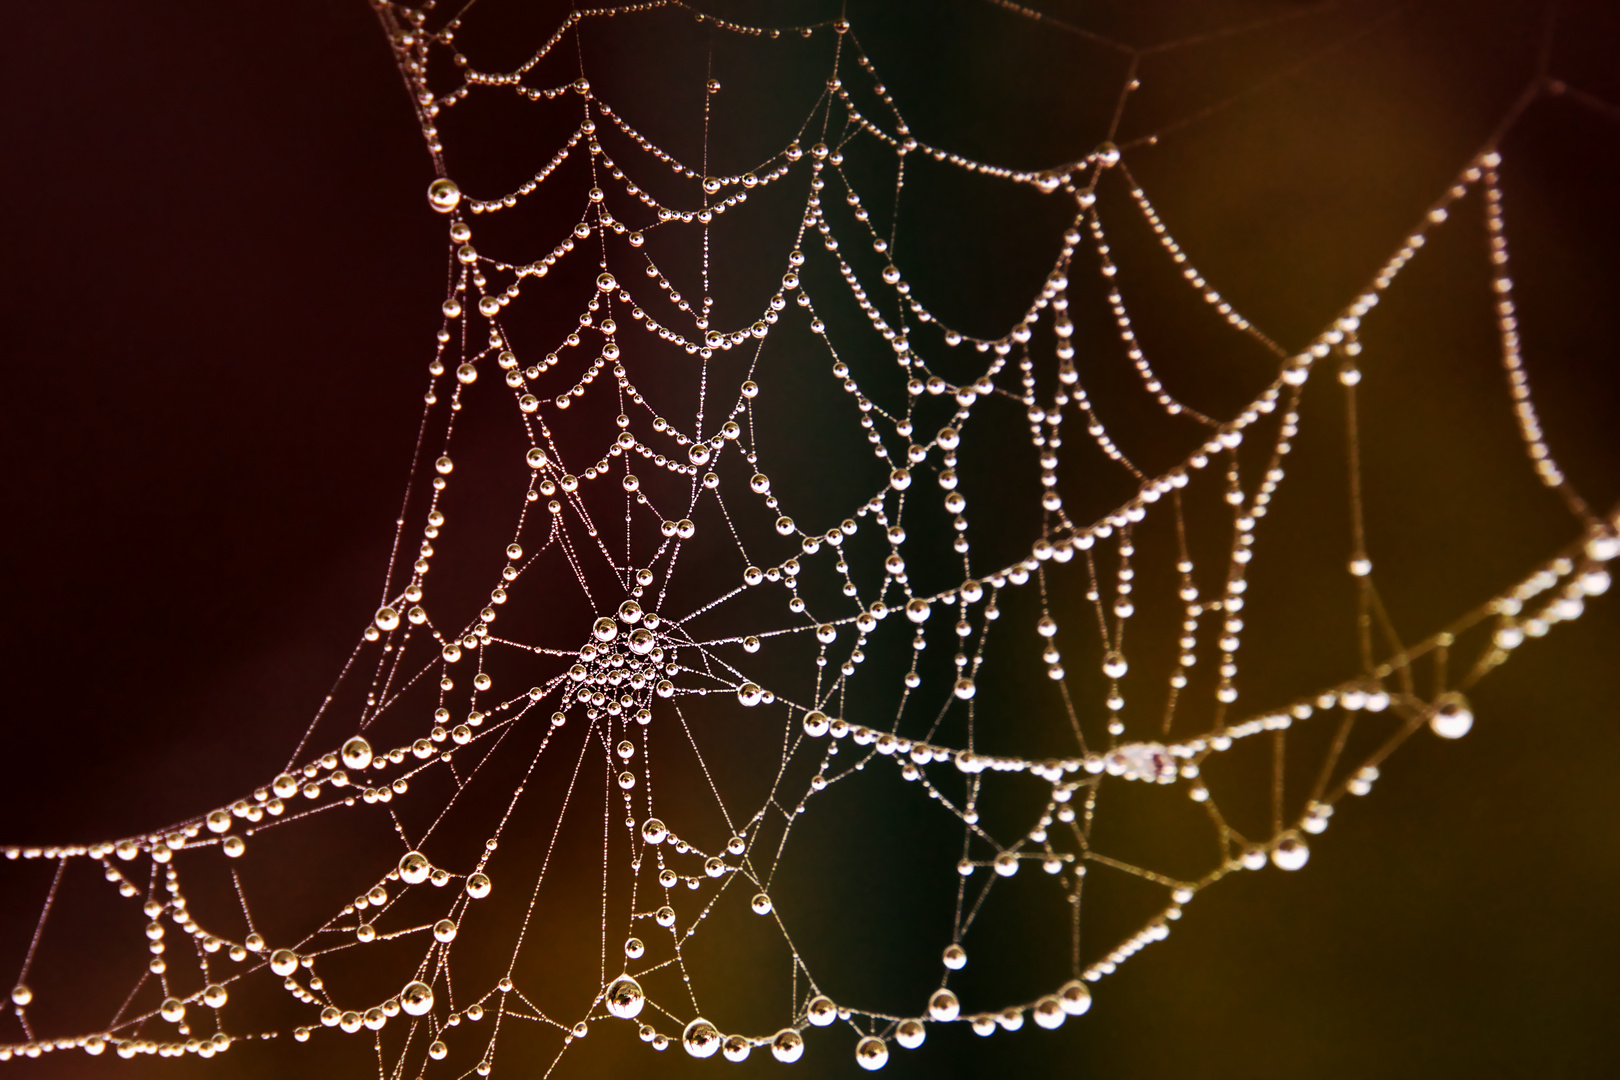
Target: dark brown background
{"x":219,"y":283}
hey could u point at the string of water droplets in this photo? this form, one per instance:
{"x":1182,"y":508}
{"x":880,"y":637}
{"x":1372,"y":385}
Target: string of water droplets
{"x":635,"y":669}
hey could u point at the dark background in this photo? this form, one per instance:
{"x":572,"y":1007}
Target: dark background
{"x":219,"y":293}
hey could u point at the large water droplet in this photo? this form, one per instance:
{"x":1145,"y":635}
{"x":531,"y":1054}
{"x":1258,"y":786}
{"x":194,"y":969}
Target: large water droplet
{"x":821,"y":1011}
{"x":1049,"y":1013}
{"x":414,"y":868}
{"x":1074,"y":998}
{"x":357,"y":753}
{"x":624,"y":998}
{"x":443,"y":195}
{"x":1290,"y":853}
{"x":1451,"y":718}
{"x":944,"y":1006}
{"x":416,"y":998}
{"x":788,"y":1046}
{"x":700,"y":1039}
{"x":871,"y":1053}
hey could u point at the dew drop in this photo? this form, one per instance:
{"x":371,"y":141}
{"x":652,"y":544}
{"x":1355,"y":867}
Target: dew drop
{"x":788,"y":1046}
{"x":443,"y":195}
{"x":357,"y":753}
{"x":1290,"y":853}
{"x":871,"y":1053}
{"x":944,"y":1006}
{"x":414,"y":868}
{"x":700,"y":1039}
{"x":416,"y":999}
{"x":1074,"y":998}
{"x":1451,"y":718}
{"x":821,"y":1011}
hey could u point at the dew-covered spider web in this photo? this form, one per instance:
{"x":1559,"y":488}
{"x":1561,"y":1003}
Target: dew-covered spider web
{"x":720,"y":531}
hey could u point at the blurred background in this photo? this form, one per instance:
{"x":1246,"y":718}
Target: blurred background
{"x":220,"y":290}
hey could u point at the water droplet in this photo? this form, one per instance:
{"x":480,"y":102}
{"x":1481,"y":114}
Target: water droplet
{"x":910,"y":1034}
{"x":478,"y":886}
{"x":443,"y":195}
{"x":1290,"y":853}
{"x":21,"y":995}
{"x":821,"y":1011}
{"x":387,"y":618}
{"x":955,"y":957}
{"x":284,"y":962}
{"x":416,"y":999}
{"x":788,"y":1046}
{"x":700,"y":1039}
{"x":944,"y":1006}
{"x":173,"y":1010}
{"x":444,"y":930}
{"x":214,"y":995}
{"x":654,"y":831}
{"x":761,"y":904}
{"x":736,"y":1048}
{"x":414,"y":868}
{"x":605,"y":629}
{"x":357,"y":753}
{"x":633,"y":948}
{"x":1451,"y":718}
{"x":1074,"y":998}
{"x":871,"y":1053}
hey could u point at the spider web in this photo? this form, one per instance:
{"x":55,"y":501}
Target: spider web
{"x":928,"y":617}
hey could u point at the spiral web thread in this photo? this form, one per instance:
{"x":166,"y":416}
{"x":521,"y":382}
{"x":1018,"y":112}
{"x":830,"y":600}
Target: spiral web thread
{"x":636,"y":673}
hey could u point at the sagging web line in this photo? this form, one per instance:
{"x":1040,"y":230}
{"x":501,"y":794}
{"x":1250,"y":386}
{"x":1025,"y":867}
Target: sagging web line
{"x":1553,"y":594}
